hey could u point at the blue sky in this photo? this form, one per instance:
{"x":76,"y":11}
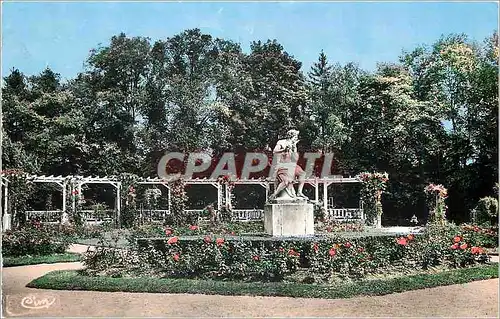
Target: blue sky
{"x":60,"y":35}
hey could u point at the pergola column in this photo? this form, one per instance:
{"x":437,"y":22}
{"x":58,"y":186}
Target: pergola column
{"x":7,"y":221}
{"x":229,"y":205}
{"x":64,"y":194}
{"x":169,"y":200}
{"x":118,"y":187}
{"x":73,"y":199}
{"x":219,"y":197}
{"x":316,"y":192}
{"x":325,"y":197}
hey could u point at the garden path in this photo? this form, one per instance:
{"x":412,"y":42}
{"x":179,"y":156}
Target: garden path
{"x":476,"y":299}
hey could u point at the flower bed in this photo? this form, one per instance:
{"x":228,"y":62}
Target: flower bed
{"x":273,"y":259}
{"x":486,"y":236}
{"x":33,"y":240}
{"x":341,"y":226}
{"x":237,"y":228}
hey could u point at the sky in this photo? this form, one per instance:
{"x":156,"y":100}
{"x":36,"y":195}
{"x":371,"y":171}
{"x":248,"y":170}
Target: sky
{"x":61,"y":34}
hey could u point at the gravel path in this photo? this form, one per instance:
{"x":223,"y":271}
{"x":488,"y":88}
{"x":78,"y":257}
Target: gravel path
{"x":477,"y":299}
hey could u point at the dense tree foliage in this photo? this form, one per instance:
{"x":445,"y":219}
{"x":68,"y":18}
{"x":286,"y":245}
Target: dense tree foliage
{"x":432,"y":116}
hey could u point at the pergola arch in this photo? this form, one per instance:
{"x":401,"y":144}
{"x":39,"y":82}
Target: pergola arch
{"x":73,"y":183}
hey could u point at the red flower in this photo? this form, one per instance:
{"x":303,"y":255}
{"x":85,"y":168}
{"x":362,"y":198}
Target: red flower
{"x":332,"y":252}
{"x":454,"y":246}
{"x":463,"y":246}
{"x":281,"y":249}
{"x":410,"y":237}
{"x":316,"y":247}
{"x":219,"y":241}
{"x":476,"y":229}
{"x":457,"y":239}
{"x":361,"y":249}
{"x":475,"y":250}
{"x":292,"y":252}
{"x":329,"y":229}
{"x":347,"y":245}
{"x":176,"y":257}
{"x":402,"y":241}
{"x":256,"y":258}
{"x":193,"y":227}
{"x":207,"y":239}
{"x":172,"y":240}
{"x":74,"y":192}
{"x":232,"y":233}
{"x":168,"y":231}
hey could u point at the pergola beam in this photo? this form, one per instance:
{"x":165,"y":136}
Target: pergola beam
{"x":223,"y":193}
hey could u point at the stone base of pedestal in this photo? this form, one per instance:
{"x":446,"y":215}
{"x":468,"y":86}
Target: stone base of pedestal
{"x":293,"y":218}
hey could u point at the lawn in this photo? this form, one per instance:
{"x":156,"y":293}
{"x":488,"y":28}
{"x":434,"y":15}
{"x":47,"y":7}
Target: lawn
{"x":75,"y":280}
{"x":41,"y":259}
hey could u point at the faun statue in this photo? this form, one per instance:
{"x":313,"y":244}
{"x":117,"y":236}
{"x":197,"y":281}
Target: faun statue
{"x":287,"y":169}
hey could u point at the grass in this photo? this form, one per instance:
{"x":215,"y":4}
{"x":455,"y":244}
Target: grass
{"x":74,"y":280}
{"x":42,"y":259}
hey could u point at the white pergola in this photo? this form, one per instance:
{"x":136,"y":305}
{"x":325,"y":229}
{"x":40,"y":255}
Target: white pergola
{"x":71,"y":183}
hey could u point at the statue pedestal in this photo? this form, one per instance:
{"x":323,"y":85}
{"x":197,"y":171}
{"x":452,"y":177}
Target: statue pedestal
{"x":289,"y":218}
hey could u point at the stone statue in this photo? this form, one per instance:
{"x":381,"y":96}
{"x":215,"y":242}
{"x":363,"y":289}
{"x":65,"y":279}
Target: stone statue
{"x":287,"y":169}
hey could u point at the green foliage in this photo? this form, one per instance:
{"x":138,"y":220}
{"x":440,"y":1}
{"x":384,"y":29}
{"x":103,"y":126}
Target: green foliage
{"x":209,"y":257}
{"x":482,"y":236}
{"x":220,"y":229}
{"x":431,"y":117}
{"x":20,"y":190}
{"x":178,"y":203}
{"x":33,"y":240}
{"x":35,"y":260}
{"x":487,"y":210}
{"x":204,"y":255}
{"x":341,"y":226}
{"x":436,"y":195}
{"x":128,"y":194}
{"x":319,"y":212}
{"x":374,"y":184}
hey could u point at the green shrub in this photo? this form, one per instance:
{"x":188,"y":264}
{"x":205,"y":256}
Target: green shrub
{"x":342,"y":226}
{"x":79,"y":231}
{"x":209,"y":257}
{"x":33,"y":240}
{"x":483,"y":236}
{"x":486,"y":210}
{"x":228,"y":228}
{"x":274,"y":258}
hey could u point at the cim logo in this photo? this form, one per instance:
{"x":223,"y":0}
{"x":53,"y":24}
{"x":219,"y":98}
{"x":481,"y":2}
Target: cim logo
{"x":32,"y":302}
{"x":24,"y":305}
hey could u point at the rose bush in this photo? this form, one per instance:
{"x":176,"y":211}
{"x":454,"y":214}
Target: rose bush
{"x":208,"y":257}
{"x":227,"y":229}
{"x":485,"y":236}
{"x":273,"y":259}
{"x":34,"y":239}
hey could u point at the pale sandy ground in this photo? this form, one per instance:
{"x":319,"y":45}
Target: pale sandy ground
{"x":476,"y":299}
